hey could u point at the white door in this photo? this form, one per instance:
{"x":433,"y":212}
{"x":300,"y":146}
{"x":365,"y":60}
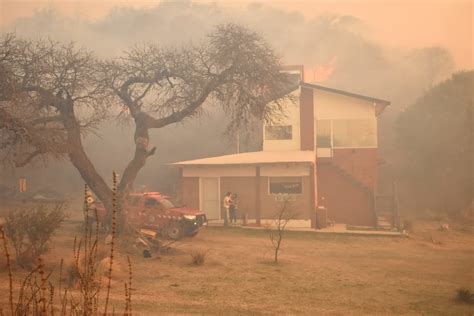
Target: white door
{"x":210,"y":202}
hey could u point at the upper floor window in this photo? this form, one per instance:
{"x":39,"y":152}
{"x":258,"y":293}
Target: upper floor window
{"x":323,"y":134}
{"x":278,"y":132}
{"x":353,"y":133}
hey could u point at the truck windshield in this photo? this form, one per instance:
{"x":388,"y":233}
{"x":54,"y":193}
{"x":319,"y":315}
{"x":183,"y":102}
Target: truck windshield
{"x":166,"y":203}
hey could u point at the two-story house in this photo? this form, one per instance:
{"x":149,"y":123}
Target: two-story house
{"x":323,"y":153}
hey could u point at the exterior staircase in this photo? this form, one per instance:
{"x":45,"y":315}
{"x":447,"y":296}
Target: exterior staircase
{"x":388,"y":217}
{"x":385,"y":206}
{"x":383,"y":223}
{"x":351,"y":178}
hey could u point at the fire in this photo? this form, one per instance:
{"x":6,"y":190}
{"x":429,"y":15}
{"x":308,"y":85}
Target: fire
{"x":320,"y":73}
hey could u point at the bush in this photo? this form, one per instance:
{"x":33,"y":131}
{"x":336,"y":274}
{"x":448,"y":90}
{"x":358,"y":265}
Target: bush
{"x":31,"y":230}
{"x":465,"y":296}
{"x":198,"y":257}
{"x":80,"y":294}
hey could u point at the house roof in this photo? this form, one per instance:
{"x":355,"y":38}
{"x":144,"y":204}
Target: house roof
{"x":253,"y":158}
{"x":342,"y":92}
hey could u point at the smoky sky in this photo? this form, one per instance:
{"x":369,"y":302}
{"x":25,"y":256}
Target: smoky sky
{"x":357,"y":63}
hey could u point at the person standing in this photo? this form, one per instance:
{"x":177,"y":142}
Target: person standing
{"x":227,"y":204}
{"x":233,"y":209}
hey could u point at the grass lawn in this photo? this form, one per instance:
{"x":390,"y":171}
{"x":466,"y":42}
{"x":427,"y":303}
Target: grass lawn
{"x":317,"y":274}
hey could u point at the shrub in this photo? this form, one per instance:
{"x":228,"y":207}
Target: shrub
{"x":198,"y":257}
{"x":38,"y":296}
{"x":465,"y":296}
{"x":31,"y":230}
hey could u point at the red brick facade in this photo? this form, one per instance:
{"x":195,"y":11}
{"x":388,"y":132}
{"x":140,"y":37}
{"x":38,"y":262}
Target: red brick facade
{"x":301,"y":206}
{"x":361,"y":163}
{"x":247,"y":191}
{"x":307,"y":119}
{"x":346,"y":202}
{"x":347,"y":184}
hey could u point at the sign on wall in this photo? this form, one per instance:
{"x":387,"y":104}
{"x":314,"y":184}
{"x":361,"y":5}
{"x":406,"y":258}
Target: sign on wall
{"x":286,"y":187}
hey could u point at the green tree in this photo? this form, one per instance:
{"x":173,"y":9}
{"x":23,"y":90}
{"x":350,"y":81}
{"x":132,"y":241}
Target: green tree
{"x":435,"y":138}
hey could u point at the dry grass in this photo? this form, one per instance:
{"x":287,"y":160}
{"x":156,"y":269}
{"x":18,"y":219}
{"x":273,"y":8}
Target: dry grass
{"x":317,"y":274}
{"x":37,"y":295}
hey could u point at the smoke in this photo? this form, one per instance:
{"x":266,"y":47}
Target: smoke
{"x":336,"y":48}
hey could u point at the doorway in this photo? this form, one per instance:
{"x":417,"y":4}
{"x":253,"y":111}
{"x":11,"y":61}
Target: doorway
{"x":210,"y":201}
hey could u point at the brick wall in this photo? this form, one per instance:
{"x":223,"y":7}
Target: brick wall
{"x":244,"y":187}
{"x":307,"y":119}
{"x":347,"y":202}
{"x":361,"y":163}
{"x":302,"y":205}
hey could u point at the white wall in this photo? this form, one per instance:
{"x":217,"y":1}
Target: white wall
{"x":280,"y":170}
{"x":328,"y":105}
{"x":218,"y":171}
{"x":289,"y":170}
{"x":292,"y":111}
{"x":332,"y":106}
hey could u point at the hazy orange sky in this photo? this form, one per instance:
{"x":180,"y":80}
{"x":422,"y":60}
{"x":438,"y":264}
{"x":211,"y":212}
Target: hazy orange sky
{"x":396,"y":23}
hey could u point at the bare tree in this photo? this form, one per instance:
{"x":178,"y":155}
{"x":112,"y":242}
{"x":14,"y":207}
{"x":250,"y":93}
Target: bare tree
{"x":61,"y":92}
{"x":234,"y":69}
{"x":51,"y":99}
{"x":276,"y":230}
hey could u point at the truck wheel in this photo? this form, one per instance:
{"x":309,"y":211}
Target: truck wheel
{"x":174,"y":231}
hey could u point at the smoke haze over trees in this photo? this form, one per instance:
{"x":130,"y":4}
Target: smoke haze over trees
{"x":335,"y":50}
{"x":436,"y":137}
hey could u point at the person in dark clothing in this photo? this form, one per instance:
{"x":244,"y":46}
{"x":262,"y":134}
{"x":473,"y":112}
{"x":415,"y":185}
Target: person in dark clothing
{"x":233,"y":209}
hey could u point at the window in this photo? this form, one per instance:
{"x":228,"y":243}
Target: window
{"x":285,"y":185}
{"x":166,"y":204}
{"x":150,"y":203}
{"x":281,"y":132}
{"x":323,"y":133}
{"x":355,"y":133}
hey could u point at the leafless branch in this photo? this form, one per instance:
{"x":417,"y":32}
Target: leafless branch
{"x":276,"y":230}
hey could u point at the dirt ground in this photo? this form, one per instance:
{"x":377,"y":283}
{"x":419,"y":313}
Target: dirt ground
{"x":317,"y":274}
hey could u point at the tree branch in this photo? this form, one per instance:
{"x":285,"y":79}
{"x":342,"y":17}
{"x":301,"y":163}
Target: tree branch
{"x":28,"y":158}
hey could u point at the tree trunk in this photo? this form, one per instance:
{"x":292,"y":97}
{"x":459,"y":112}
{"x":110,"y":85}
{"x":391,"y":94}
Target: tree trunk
{"x":142,"y":138}
{"x":81,"y":161}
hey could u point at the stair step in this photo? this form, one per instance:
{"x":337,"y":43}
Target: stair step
{"x":384,"y":223}
{"x":352,"y":178}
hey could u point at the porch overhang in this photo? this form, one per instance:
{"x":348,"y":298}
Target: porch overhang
{"x":253,"y":158}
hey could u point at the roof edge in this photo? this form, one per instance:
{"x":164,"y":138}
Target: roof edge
{"x":250,"y":158}
{"x":346,"y":93}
